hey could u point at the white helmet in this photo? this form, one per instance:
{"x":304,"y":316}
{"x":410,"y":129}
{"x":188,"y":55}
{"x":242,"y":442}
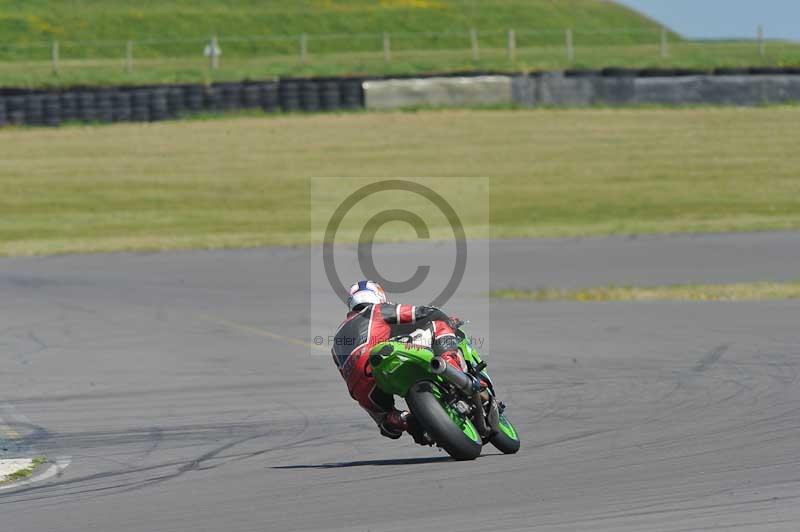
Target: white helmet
{"x":365,"y":293}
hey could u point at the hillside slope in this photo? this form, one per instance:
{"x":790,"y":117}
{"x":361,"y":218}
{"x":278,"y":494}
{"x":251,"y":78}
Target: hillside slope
{"x":25,"y":22}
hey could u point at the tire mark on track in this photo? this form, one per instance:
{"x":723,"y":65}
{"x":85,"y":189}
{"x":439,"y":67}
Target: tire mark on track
{"x":710,"y":358}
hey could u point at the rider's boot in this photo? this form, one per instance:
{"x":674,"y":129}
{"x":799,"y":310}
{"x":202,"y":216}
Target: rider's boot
{"x":453,"y":358}
{"x":394,"y":424}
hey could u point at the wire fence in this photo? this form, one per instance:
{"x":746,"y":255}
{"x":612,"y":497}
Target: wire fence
{"x":563,"y":47}
{"x":307,"y":44}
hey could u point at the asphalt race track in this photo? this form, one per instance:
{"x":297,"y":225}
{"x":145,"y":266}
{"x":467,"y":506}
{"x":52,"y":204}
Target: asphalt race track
{"x":178,"y":392}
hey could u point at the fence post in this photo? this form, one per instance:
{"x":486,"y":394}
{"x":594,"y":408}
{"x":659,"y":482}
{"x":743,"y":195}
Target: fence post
{"x":54,"y":56}
{"x":214,"y":53}
{"x":129,"y":57}
{"x":664,"y":44}
{"x":387,"y":47}
{"x":303,"y":48}
{"x":473,"y":39}
{"x":570,"y":46}
{"x":512,"y":45}
{"x":762,"y":47}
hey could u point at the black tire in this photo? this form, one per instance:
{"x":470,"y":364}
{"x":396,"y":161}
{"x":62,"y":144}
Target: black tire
{"x":159,"y":108}
{"x":140,"y":105}
{"x":289,"y":93}
{"x":657,"y":73}
{"x":727,"y":71}
{"x":251,"y":96}
{"x":69,"y":106}
{"x":194,"y":98}
{"x":176,"y":106}
{"x":15,"y":110}
{"x":104,"y":108}
{"x":86,"y":108}
{"x":3,"y":119}
{"x":121,"y":110}
{"x":504,"y":444}
{"x":330,"y":95}
{"x":34,"y":109}
{"x":52,"y":110}
{"x":212,"y":99}
{"x":309,"y":96}
{"x":269,"y":99}
{"x":352,"y":93}
{"x":231,"y":96}
{"x":581,"y":73}
{"x":427,"y":410}
{"x":618,"y":72}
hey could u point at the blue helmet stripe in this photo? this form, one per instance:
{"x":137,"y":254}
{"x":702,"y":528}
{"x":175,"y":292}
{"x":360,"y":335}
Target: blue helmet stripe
{"x":362,"y":285}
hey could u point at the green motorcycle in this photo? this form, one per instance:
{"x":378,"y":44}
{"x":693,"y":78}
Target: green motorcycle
{"x":456,"y":411}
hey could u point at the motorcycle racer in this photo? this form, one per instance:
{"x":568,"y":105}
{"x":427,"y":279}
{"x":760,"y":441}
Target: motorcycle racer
{"x":371,"y":319}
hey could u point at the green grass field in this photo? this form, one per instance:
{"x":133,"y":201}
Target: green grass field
{"x":260,"y":39}
{"x":237,"y":182}
{"x":104,"y":22}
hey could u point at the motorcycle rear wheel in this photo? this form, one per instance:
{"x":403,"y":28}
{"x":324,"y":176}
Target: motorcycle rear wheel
{"x":449,"y":429}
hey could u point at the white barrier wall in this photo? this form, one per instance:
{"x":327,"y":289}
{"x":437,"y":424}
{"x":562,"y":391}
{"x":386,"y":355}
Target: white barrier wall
{"x":438,"y":92}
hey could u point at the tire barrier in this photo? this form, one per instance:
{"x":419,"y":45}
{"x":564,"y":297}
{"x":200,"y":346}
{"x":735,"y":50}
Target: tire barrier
{"x":194,"y":95}
{"x":140,"y":105}
{"x":330,"y":95}
{"x":612,"y":85}
{"x":69,"y":106}
{"x":352,"y":93}
{"x":269,"y":98}
{"x":581,"y":73}
{"x":176,"y":102}
{"x":289,"y":95}
{"x":159,"y":108}
{"x":86,"y":109}
{"x":726,"y":71}
{"x":34,"y":109}
{"x":15,"y":110}
{"x":103,"y":106}
{"x":52,"y":110}
{"x":309,"y":96}
{"x":121,"y":111}
{"x":251,"y":96}
{"x":231,"y":96}
{"x":212,"y":99}
{"x":616,"y":72}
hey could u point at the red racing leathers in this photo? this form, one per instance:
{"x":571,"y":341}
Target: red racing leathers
{"x":364,"y":328}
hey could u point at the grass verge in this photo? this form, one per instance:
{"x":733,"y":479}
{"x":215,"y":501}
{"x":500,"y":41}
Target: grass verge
{"x":104,"y":71}
{"x":261,"y":39}
{"x":22,"y":474}
{"x":243,"y":182}
{"x":688,"y":292}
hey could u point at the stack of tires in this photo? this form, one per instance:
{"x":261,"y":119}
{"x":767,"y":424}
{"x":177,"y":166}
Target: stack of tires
{"x":149,"y":104}
{"x":121,"y":110}
{"x":289,"y":95}
{"x":269,"y":97}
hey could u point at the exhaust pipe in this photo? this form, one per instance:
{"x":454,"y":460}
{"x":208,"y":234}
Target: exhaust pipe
{"x":464,"y":382}
{"x":467,"y":384}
